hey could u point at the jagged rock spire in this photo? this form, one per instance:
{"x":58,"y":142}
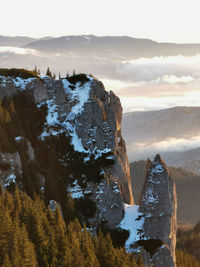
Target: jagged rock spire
{"x":158,"y":205}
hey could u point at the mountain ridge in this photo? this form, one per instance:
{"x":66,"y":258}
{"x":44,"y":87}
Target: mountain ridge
{"x":168,"y":131}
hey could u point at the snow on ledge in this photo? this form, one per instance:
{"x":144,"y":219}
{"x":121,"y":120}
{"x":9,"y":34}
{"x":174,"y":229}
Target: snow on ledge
{"x":11,"y":178}
{"x":131,"y":223}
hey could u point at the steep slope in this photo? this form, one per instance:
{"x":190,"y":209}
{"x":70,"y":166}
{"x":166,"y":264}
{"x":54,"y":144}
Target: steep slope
{"x":74,"y":114}
{"x":152,"y":224}
{"x":73,"y":153}
{"x":158,"y":205}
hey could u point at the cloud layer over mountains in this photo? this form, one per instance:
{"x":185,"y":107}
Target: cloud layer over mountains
{"x":144,"y":74}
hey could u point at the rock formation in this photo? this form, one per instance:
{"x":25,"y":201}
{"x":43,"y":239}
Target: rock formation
{"x":158,"y":205}
{"x":83,"y":110}
{"x":80,"y":109}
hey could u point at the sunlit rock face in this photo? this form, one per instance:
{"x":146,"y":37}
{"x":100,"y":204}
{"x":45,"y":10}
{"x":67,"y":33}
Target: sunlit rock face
{"x":91,"y":116}
{"x":158,"y":203}
{"x":99,"y":128}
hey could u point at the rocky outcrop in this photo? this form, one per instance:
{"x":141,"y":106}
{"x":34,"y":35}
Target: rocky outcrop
{"x":84,"y":110}
{"x":10,"y":167}
{"x":99,"y":127}
{"x":158,"y":205}
{"x":92,"y":117}
{"x":80,"y":108}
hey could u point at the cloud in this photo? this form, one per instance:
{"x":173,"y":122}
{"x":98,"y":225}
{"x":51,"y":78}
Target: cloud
{"x":149,"y":69}
{"x":156,"y":83}
{"x":174,"y":79}
{"x":16,"y":50}
{"x":142,"y":84}
{"x":144,"y":150}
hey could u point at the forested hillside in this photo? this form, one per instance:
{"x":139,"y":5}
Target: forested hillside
{"x":188,"y":240}
{"x":31,"y":234}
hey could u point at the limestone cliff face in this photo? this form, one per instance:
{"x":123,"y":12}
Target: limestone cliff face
{"x":80,"y":108}
{"x":99,"y":128}
{"x":158,"y":203}
{"x":92,"y":116}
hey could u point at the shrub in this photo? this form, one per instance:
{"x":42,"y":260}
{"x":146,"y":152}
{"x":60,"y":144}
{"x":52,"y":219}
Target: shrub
{"x":82,"y":78}
{"x":85,"y":206}
{"x":150,"y":245}
{"x":118,"y":236}
{"x":7,"y":148}
{"x":22,"y":73}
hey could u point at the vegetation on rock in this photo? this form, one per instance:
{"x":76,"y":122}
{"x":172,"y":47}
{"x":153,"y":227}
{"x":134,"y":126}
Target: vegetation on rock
{"x":22,"y":73}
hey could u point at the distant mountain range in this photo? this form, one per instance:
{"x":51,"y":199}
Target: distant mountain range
{"x":17,"y":41}
{"x":110,"y":58}
{"x":120,"y":46}
{"x":174,"y":133}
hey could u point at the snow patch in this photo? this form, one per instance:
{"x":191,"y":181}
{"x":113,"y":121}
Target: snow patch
{"x":52,"y":116}
{"x":76,"y":141}
{"x":22,"y":83}
{"x":132,"y":223}
{"x":116,"y":188}
{"x":78,"y":95}
{"x":3,"y":81}
{"x":19,"y":138}
{"x":157,"y":168}
{"x":76,"y":191}
{"x":151,"y":196}
{"x":11,"y":178}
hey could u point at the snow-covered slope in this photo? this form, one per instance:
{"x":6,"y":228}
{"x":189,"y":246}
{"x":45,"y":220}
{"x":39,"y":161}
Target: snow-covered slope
{"x":133,"y":222}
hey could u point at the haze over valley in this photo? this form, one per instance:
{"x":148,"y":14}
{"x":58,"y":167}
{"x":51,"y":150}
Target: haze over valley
{"x":145,"y":74}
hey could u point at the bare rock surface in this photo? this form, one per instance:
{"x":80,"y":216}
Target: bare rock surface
{"x":92,"y":117}
{"x":158,"y":205}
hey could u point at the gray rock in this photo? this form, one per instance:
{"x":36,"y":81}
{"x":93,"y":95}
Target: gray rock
{"x":97,"y":127}
{"x":158,"y":203}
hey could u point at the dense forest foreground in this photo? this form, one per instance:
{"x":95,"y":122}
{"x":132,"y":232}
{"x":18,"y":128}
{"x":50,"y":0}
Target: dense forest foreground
{"x":31,"y":234}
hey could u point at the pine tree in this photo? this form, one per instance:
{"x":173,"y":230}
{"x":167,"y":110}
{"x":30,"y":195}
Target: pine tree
{"x":35,"y":70}
{"x":6,"y":262}
{"x":54,"y":76}
{"x":49,"y":73}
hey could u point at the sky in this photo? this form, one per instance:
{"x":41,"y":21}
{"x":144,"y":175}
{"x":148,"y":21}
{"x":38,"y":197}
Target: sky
{"x":143,"y":84}
{"x":157,"y":83}
{"x":160,"y":20}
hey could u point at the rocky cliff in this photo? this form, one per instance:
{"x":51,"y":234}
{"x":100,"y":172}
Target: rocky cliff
{"x":158,"y":206}
{"x":62,"y":140}
{"x":80,"y":108}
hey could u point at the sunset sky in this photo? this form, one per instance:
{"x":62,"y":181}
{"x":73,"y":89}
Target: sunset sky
{"x":165,"y":21}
